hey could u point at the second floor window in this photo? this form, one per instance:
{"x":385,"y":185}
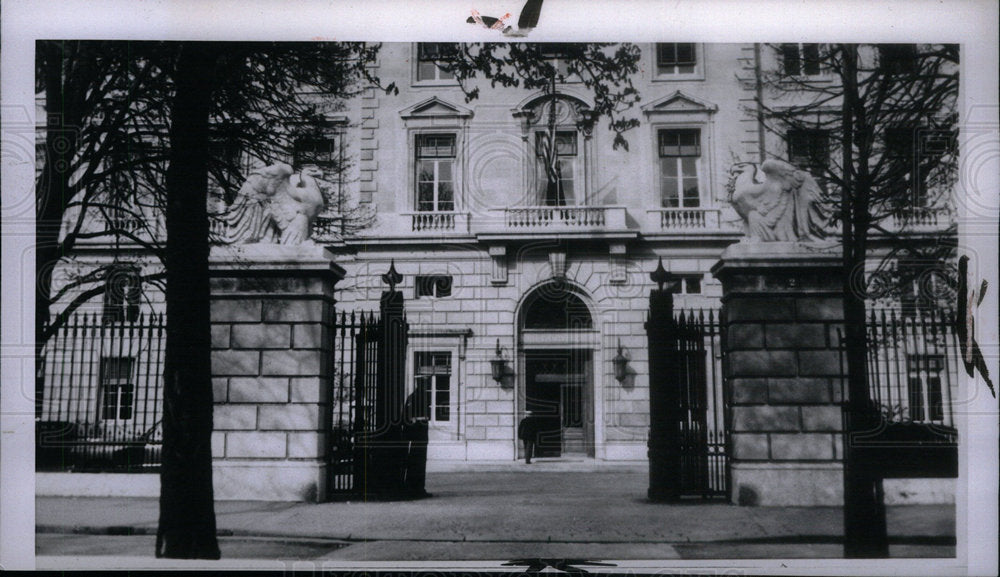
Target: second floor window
{"x":321,"y":151}
{"x":557,"y":173}
{"x":903,"y":170}
{"x":430,"y":56}
{"x":800,"y":59}
{"x":435,"y":156}
{"x":912,"y":155}
{"x":679,"y":152}
{"x":809,"y":150}
{"x":122,"y":291}
{"x":675,"y":58}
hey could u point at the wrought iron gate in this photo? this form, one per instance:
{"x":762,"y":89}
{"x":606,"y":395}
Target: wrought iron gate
{"x":371,"y":449}
{"x":355,"y":354}
{"x":704,"y":463}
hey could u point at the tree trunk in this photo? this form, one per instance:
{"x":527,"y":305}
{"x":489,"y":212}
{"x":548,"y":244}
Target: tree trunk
{"x":61,"y":125}
{"x":187,"y":510}
{"x":864,"y":510}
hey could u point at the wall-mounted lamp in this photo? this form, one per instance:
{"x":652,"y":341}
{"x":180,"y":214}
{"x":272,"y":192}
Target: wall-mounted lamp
{"x":621,"y":364}
{"x":498,"y":366}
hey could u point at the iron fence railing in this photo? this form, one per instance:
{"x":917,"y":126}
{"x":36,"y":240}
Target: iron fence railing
{"x":102,"y":395}
{"x":912,"y":365}
{"x":354,"y":362}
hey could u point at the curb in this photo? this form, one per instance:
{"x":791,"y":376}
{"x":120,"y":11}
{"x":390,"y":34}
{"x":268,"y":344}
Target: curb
{"x":948,"y":540}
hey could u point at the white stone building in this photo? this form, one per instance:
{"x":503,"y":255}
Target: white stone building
{"x":560,"y":285}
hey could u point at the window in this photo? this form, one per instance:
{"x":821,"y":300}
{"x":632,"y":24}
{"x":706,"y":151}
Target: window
{"x":675,"y":58}
{"x":435,"y":172}
{"x":431,"y":398}
{"x":912,"y":153}
{"x":224,"y":146}
{"x":923,"y":285}
{"x":897,"y":58}
{"x":122,"y":291}
{"x":322,"y":151}
{"x":556,"y":53}
{"x":430,"y":58}
{"x":809,"y":150}
{"x":687,"y":285}
{"x":560,"y":189}
{"x":901,"y":165}
{"x":556,"y":309}
{"x":117,"y":390}
{"x":133,"y":151}
{"x":800,"y":59}
{"x":433,"y":286}
{"x":680,"y":151}
{"x":924,"y":390}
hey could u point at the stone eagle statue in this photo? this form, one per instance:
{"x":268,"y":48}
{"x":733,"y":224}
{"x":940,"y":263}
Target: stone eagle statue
{"x":786,"y":206}
{"x":275,"y":206}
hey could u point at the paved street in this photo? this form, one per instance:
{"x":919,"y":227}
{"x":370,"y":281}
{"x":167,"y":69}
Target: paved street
{"x":512,"y":512}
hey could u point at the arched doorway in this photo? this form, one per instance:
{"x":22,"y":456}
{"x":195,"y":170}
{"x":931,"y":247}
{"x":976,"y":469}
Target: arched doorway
{"x":557,"y":340}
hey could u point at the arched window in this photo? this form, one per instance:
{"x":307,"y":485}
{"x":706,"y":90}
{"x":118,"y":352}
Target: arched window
{"x":551,"y":308}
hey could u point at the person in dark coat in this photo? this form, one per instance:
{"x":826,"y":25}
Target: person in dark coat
{"x":527,"y":431}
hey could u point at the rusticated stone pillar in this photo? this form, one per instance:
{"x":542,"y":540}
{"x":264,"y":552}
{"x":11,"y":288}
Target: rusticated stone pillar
{"x":272,"y":315}
{"x":782,"y":306}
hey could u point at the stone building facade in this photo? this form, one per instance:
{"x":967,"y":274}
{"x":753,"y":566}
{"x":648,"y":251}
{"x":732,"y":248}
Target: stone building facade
{"x":558,"y":286}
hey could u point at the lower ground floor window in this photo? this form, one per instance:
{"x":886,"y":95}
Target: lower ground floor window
{"x":117,"y":389}
{"x":431,"y":397}
{"x":924,"y":391}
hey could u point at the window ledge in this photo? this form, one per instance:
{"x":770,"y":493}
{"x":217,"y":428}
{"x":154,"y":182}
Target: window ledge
{"x":808,"y":79}
{"x":433,"y":83}
{"x":694,"y":76}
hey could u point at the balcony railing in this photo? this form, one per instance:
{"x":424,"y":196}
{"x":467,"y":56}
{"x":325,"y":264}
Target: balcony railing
{"x":688,"y":220}
{"x":568,"y":218}
{"x":921,"y":219}
{"x":432,"y":222}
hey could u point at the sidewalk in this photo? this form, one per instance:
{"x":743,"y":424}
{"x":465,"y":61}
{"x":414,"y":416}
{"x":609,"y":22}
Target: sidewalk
{"x":514,"y":511}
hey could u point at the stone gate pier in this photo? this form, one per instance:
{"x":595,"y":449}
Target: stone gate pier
{"x":272,"y":316}
{"x":782,"y":306}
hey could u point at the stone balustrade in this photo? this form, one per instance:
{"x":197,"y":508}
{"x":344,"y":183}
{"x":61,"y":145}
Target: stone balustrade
{"x":684,"y":220}
{"x":432,"y":222}
{"x":557,"y":216}
{"x":920,"y":219}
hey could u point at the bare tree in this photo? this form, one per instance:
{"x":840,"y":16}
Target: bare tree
{"x":135,"y":134}
{"x":876,"y":124}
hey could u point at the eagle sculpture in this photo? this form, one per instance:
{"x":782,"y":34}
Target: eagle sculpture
{"x":275,"y":206}
{"x":787,"y":205}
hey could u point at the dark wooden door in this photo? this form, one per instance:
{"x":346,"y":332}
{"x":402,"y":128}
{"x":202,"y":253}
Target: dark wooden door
{"x":557,"y":390}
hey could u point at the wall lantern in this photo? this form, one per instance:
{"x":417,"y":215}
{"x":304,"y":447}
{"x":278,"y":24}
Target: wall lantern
{"x":621,"y":364}
{"x":498,"y":366}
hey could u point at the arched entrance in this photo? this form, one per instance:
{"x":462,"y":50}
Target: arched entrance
{"x":557,"y":340}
